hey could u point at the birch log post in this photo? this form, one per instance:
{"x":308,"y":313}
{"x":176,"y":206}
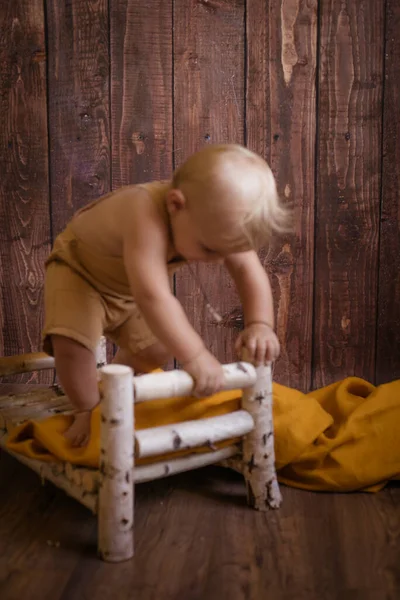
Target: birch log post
{"x":258,"y":446}
{"x":172,"y":466}
{"x":25,"y":363}
{"x":157,"y":441}
{"x":116,"y":494}
{"x":101,"y":353}
{"x":39,"y":361}
{"x":89,"y":480}
{"x":179,"y":383}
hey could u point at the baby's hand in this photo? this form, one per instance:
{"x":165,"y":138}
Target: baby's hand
{"x":207,"y":373}
{"x":79,"y":432}
{"x":260,"y":342}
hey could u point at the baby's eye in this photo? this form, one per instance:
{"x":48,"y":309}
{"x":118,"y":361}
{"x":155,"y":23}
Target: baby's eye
{"x":207,"y":250}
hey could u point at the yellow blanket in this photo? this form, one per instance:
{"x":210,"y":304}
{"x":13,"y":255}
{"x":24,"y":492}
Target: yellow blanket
{"x":343,"y":437}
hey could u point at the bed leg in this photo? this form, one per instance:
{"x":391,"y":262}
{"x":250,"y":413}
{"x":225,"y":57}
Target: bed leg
{"x":101,"y":353}
{"x":258,"y":446}
{"x":116,"y":493}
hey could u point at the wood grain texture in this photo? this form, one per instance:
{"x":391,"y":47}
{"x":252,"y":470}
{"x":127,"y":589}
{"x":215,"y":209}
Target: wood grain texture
{"x":208,"y":108}
{"x":348,"y":189}
{"x":24,"y":200}
{"x":78,"y":45}
{"x":280,"y":125}
{"x":79,"y":111}
{"x":388,"y":322}
{"x":141,"y":90}
{"x":196,"y":539}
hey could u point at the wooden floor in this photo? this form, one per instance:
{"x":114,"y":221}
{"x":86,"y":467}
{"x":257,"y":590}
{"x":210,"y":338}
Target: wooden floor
{"x":196,"y":539}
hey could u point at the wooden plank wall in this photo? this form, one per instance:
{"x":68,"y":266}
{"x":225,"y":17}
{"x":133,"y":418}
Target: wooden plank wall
{"x":388,"y":325}
{"x":25,"y":231}
{"x":348,"y":170}
{"x":100,"y":93}
{"x":209,"y":88}
{"x":280,"y":125}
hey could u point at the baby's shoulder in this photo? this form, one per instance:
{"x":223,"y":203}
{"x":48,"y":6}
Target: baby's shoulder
{"x":141,"y":210}
{"x":152,"y":191}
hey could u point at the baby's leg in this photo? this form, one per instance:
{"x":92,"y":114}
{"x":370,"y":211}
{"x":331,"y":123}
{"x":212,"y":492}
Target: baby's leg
{"x":74,"y":317}
{"x":145,"y":360}
{"x":138,"y":346}
{"x":76,"y":369}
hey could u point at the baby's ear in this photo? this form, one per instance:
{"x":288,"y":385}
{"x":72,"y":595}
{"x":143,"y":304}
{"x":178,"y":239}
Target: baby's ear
{"x":175,"y":201}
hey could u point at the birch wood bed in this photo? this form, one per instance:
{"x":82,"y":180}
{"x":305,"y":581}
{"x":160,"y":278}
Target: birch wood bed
{"x":109,"y":491}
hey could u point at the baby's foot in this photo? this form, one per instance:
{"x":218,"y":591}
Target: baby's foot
{"x":79,"y":432}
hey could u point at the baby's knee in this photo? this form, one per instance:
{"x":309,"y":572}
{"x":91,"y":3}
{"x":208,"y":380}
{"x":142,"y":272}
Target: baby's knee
{"x":157,"y":354}
{"x":152,"y":357}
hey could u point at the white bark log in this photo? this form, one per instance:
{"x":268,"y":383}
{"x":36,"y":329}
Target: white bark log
{"x":10,"y":417}
{"x":57,"y":468}
{"x":179,"y":465}
{"x":38,"y":361}
{"x":53,"y":473}
{"x":77,"y":477}
{"x":116,"y":495}
{"x":69,"y":471}
{"x":24,"y":363}
{"x":90,"y":478}
{"x":192,"y":434}
{"x":180,"y":383}
{"x":258,"y":446}
{"x":101,"y":353}
{"x":41,"y":395}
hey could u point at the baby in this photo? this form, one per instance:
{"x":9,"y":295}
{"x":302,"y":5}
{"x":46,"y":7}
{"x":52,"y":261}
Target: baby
{"x":109,"y":273}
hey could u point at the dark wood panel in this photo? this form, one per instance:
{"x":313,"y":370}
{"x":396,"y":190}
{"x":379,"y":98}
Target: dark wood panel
{"x":209,"y":108}
{"x":196,"y":539}
{"x":24,"y":199}
{"x":78,"y":45}
{"x":79,"y":112}
{"x":280,"y":125}
{"x":388,"y":323}
{"x":141,"y":90}
{"x":348,"y":189}
{"x":209,"y":54}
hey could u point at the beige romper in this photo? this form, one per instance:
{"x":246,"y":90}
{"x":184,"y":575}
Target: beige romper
{"x":87,"y":293}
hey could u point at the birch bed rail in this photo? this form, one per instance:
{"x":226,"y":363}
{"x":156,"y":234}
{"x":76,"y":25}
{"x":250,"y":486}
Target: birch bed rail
{"x":109,"y":491}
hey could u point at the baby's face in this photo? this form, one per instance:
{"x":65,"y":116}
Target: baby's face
{"x":207,"y":231}
{"x":191,"y":241}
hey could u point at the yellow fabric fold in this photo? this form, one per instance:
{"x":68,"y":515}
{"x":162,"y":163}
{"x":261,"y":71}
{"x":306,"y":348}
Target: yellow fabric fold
{"x":343,"y":437}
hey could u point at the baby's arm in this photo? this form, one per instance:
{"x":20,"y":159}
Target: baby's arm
{"x":255,"y":293}
{"x":145,"y":250}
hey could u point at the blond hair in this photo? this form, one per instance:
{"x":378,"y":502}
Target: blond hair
{"x":234,"y":191}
